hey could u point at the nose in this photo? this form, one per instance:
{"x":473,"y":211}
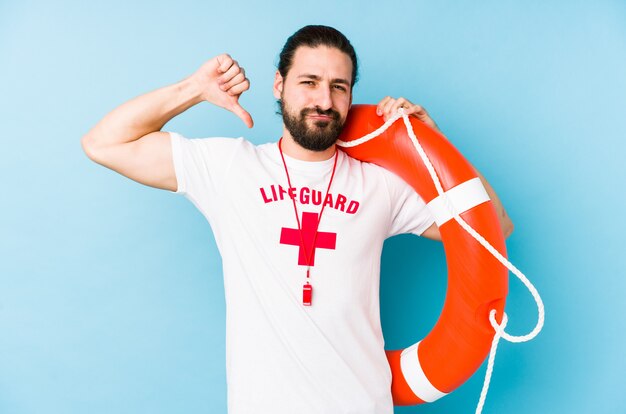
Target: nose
{"x":324,"y":98}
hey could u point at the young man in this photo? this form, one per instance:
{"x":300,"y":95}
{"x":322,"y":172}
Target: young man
{"x":287,"y":217}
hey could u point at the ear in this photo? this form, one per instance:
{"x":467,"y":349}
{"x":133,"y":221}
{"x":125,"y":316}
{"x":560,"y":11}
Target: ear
{"x":278,"y":85}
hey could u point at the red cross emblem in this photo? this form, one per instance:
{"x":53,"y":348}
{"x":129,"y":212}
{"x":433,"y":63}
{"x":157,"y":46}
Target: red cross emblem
{"x":323,"y":240}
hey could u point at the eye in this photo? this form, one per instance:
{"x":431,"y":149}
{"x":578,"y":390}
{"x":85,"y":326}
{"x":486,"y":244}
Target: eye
{"x":307,"y":82}
{"x":340,"y":87}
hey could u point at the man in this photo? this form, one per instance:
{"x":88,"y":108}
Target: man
{"x":287,"y":217}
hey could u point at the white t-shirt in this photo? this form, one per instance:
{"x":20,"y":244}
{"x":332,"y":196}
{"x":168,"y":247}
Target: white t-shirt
{"x":281,"y":356}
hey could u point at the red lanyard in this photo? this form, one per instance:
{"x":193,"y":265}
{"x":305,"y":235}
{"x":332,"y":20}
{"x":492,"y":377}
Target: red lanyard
{"x":307,"y":289}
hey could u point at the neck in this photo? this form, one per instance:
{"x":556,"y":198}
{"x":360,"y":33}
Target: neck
{"x":291,"y":148}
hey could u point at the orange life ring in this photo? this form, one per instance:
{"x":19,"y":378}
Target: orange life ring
{"x":477,"y":282}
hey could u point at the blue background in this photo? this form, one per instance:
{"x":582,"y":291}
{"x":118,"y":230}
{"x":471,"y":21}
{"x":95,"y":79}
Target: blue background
{"x":111,"y":297}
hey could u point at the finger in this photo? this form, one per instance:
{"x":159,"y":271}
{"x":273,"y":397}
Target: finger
{"x":381,"y":105}
{"x":422,"y":114}
{"x":418,"y":111}
{"x":240,"y":77}
{"x":224,"y":62}
{"x":233,"y":71}
{"x":400,"y":103}
{"x":239,"y":88}
{"x":387,"y":108}
{"x":243,"y":114}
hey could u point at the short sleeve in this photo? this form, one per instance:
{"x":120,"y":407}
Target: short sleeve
{"x":409,"y":211}
{"x":201,"y":166}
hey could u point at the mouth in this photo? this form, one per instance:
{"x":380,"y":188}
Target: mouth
{"x":319,"y":117}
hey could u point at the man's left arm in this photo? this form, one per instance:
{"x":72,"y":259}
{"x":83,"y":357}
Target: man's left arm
{"x":389,"y":106}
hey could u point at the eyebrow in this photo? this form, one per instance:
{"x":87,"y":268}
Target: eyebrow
{"x":318,"y":78}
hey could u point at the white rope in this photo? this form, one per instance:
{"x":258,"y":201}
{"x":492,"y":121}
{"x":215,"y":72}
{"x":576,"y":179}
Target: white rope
{"x":499,"y":329}
{"x":371,"y":135}
{"x":492,"y":357}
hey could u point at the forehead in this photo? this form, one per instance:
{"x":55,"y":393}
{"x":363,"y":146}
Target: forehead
{"x":321,"y":61}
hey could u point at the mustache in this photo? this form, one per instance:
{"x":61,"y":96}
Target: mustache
{"x":329,"y":112}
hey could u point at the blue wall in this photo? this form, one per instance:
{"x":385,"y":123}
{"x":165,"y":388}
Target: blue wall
{"x":111,"y":298}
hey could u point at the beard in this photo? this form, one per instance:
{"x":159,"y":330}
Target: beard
{"x":321,"y":136}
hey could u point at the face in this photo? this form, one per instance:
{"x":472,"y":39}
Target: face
{"x":315,"y":96}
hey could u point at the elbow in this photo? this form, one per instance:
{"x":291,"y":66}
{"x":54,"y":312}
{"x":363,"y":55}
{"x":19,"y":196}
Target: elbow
{"x":507,"y":227}
{"x":89,"y":148}
{"x":86,"y":145}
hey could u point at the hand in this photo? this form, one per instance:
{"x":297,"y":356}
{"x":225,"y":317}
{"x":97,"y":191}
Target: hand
{"x":388,"y":106}
{"x":221,"y":81}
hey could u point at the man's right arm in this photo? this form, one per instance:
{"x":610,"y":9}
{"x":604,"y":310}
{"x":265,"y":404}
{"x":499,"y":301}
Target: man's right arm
{"x":129,"y":140}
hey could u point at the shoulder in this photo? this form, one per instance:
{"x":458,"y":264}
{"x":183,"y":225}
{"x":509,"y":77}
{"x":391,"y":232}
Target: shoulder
{"x":210,"y":145}
{"x":209,"y":141}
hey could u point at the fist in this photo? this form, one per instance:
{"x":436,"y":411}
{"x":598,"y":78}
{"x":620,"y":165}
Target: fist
{"x":221,"y":82}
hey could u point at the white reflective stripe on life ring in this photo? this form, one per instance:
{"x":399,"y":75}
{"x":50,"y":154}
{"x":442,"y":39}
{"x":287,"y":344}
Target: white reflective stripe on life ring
{"x":415,"y":376}
{"x":463,"y":197}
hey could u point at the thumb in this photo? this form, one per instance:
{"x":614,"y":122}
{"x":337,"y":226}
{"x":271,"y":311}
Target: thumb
{"x":243,"y":114}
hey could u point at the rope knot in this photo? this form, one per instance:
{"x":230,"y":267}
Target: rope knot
{"x":499,"y":328}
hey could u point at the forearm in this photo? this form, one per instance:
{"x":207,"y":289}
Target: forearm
{"x":144,"y":114}
{"x":505,"y":221}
